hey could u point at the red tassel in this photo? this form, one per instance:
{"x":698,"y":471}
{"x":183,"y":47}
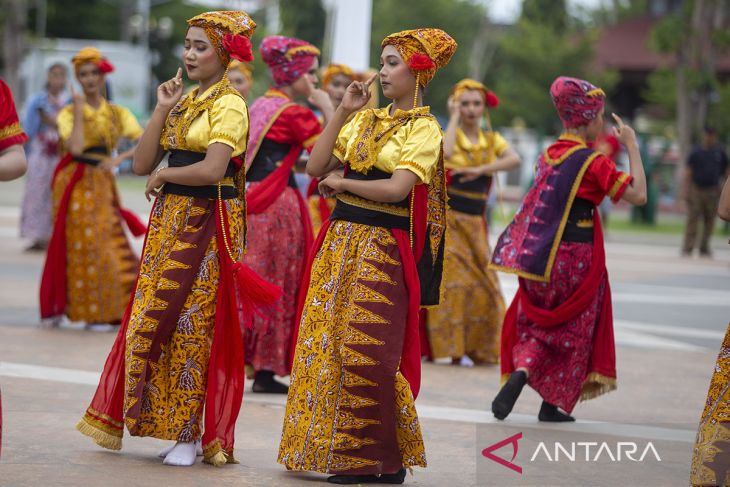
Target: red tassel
{"x":420,"y":62}
{"x":492,"y":99}
{"x":254,"y":291}
{"x":135,"y":225}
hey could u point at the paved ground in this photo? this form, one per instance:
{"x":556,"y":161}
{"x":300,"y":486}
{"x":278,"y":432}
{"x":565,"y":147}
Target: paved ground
{"x":671,"y":315}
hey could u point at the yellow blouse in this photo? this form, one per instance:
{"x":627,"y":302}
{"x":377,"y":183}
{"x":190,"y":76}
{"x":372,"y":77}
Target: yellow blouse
{"x":223,"y":119}
{"x":467,"y":154}
{"x":103,"y":126}
{"x":414,"y":146}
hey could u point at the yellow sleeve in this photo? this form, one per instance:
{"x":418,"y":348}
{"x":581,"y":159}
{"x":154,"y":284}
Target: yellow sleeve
{"x":420,"y":152}
{"x":131,"y":129}
{"x":344,"y":136}
{"x":65,"y":121}
{"x":500,"y":144}
{"x":229,"y":123}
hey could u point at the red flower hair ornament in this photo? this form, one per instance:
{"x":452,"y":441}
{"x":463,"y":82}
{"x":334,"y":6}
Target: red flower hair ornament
{"x":491,"y":99}
{"x":420,"y":62}
{"x":105,"y":66}
{"x":239,"y":47}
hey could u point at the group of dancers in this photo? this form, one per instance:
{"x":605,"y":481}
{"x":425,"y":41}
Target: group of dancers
{"x":387,"y":261}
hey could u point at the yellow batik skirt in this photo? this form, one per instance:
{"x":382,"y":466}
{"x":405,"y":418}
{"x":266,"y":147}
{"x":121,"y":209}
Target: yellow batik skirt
{"x":177,"y":292}
{"x":350,"y":410}
{"x":468,"y":321}
{"x":711,"y":459}
{"x":100,"y":264}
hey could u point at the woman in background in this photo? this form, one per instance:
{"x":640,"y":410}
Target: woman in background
{"x":90,"y":267}
{"x":468,"y":321}
{"x":42,"y":129}
{"x":280,"y":232}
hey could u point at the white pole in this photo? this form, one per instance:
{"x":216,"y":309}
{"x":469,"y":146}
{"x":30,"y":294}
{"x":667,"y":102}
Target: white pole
{"x":351,"y":38}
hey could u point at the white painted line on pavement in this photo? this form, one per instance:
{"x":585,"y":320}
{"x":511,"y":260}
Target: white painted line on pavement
{"x":672,"y":330}
{"x":631,"y":338}
{"x":425,"y":411}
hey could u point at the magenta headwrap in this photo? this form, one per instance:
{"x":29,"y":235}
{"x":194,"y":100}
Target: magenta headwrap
{"x":288,"y":58}
{"x":577,"y":101}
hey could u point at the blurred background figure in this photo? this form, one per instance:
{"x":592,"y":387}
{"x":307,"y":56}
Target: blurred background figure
{"x":40,"y":125}
{"x":707,"y":167}
{"x":241,"y":77}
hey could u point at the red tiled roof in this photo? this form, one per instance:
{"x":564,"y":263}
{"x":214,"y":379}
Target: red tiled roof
{"x":625,"y":46}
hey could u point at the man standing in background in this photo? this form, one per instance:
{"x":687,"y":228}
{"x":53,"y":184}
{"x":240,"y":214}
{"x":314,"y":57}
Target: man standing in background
{"x":707,"y":168}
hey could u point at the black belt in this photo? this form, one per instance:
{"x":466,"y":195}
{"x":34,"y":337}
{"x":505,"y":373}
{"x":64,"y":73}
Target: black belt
{"x":579,"y":227}
{"x":92,"y":156}
{"x":181,"y":158}
{"x":470,"y":196}
{"x":267,"y":160}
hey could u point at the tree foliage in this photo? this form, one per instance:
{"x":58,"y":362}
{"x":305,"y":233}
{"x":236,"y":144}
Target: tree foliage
{"x":538,"y":49}
{"x":304,"y":19}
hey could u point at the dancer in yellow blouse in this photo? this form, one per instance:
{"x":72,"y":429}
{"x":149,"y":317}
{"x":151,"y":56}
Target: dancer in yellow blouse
{"x":90,"y":267}
{"x":356,"y":372}
{"x":178,"y":359}
{"x":469,"y":320}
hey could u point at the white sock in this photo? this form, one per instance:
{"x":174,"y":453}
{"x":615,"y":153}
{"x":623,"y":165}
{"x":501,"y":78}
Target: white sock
{"x":198,"y":449}
{"x":182,"y":454}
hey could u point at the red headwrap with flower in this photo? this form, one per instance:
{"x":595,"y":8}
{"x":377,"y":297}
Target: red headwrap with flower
{"x":577,"y":101}
{"x":288,"y":58}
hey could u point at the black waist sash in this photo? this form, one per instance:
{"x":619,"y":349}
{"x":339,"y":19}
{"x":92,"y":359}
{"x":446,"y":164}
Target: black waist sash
{"x":355,"y":209}
{"x":579,"y":227}
{"x":267,"y":159}
{"x":181,"y":158}
{"x":92,"y":156}
{"x":469,"y":197}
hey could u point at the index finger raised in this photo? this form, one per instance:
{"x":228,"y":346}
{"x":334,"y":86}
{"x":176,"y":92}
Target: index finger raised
{"x":179,"y":73}
{"x":618,"y":119}
{"x":372,"y":78}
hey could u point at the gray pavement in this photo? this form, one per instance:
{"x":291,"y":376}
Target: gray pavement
{"x":671,"y":314}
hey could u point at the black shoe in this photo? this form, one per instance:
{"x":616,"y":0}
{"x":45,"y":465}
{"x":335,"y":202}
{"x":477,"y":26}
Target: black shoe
{"x":550,"y":413}
{"x":352,"y":479}
{"x":385,"y":478}
{"x":507,"y":396}
{"x":264,"y":382}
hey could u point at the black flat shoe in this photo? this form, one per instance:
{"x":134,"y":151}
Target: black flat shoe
{"x":264,"y":382}
{"x":507,"y":396}
{"x":385,"y":478}
{"x":551,"y":414}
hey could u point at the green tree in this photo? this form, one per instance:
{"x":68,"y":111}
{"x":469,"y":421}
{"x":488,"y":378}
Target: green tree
{"x":304,"y":19}
{"x":531,"y":55}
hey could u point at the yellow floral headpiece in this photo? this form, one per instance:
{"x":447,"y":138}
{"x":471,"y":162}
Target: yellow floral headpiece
{"x":333,"y":70}
{"x":244,"y":68}
{"x":229,"y":31}
{"x":91,"y":55}
{"x":490,"y":99}
{"x":424,"y":50}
